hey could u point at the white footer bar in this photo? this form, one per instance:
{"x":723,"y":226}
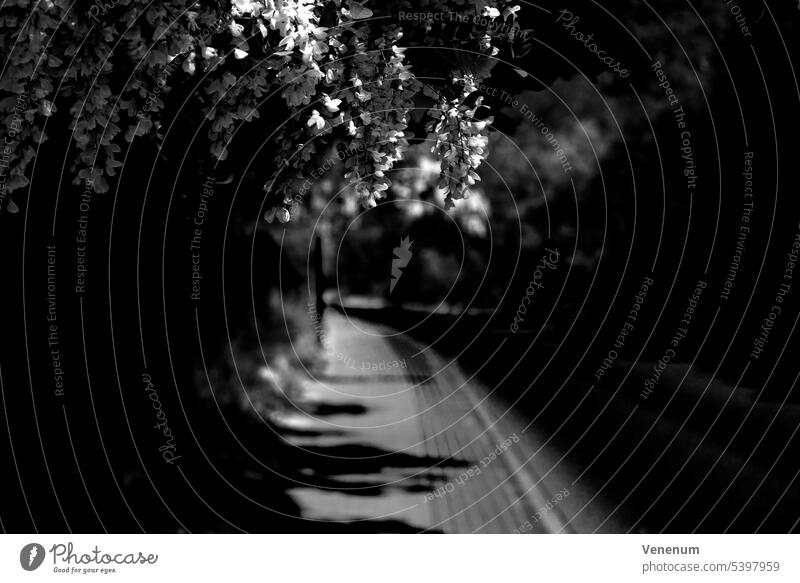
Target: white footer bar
{"x":376,"y":558}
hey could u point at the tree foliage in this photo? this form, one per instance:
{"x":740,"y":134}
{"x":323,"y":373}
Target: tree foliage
{"x":340,"y":68}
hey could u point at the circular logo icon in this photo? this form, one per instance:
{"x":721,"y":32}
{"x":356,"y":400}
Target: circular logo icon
{"x":31,"y":556}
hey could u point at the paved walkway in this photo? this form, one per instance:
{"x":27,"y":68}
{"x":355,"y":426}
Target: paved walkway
{"x":397,"y":440}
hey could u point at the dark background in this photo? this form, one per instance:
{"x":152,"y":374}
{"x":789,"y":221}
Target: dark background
{"x":89,"y":461}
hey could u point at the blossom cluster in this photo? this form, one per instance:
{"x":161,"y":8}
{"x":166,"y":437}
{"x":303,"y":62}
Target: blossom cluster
{"x":342,"y":75}
{"x":462,"y":140}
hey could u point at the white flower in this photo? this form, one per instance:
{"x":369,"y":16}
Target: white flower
{"x":283,"y":215}
{"x":287,"y":43}
{"x":511,"y":11}
{"x":209,"y":52}
{"x":316,"y":120}
{"x":239,"y":53}
{"x":236,"y":29}
{"x":331,"y":105}
{"x":352,"y":129}
{"x":491,"y":12}
{"x":188,"y":64}
{"x":244,"y":6}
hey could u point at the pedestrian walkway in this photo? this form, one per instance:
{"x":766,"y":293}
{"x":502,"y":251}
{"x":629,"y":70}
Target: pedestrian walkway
{"x":396,"y":439}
